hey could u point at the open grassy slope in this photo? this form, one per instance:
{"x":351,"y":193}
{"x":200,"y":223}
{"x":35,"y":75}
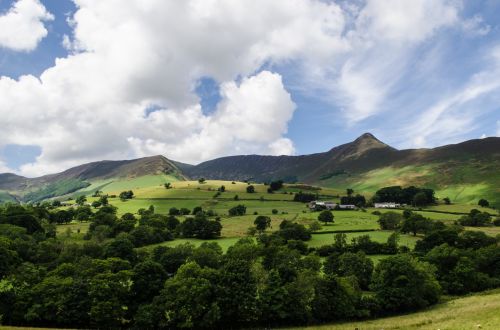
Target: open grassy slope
{"x":464,"y":172}
{"x":111,"y":176}
{"x":478,"y":311}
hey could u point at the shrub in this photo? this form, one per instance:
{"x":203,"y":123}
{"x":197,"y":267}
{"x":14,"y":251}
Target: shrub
{"x":403,"y":283}
{"x":238,"y":210}
{"x":390,"y":220}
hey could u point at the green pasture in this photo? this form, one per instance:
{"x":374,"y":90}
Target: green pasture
{"x":476,"y":311}
{"x":381,"y":236}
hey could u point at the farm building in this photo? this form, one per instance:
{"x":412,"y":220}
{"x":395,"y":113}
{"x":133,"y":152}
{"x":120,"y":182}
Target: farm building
{"x":317,"y":205}
{"x":387,"y":205}
{"x":347,"y":207}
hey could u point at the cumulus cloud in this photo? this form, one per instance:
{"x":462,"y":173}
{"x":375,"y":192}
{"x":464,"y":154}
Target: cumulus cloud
{"x":22,"y":27}
{"x":251,"y":118}
{"x":127,"y":57}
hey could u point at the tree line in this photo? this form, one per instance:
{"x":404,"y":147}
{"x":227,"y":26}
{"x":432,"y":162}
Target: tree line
{"x":274,"y":279}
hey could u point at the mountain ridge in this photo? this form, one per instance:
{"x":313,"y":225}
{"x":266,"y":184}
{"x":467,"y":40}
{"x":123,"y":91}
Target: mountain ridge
{"x":364,"y":159}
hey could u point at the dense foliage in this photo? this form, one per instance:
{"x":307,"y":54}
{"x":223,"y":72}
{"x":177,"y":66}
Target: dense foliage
{"x":304,"y":197}
{"x":275,"y":279}
{"x":409,"y":195}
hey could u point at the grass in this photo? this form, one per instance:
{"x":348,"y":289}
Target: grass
{"x":149,"y":190}
{"x":381,"y":236}
{"x":224,"y":242}
{"x":478,"y":311}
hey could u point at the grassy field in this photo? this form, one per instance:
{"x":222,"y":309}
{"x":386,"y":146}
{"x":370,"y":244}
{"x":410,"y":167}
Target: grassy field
{"x":381,"y":236}
{"x":479,"y":311}
{"x":189,"y":194}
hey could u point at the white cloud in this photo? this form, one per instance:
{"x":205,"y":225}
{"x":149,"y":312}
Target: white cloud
{"x":405,"y":21}
{"x":453,"y":115}
{"x":251,"y":118}
{"x":498,"y":128}
{"x":4,"y":168}
{"x":383,"y":41}
{"x":22,"y":27}
{"x":128,"y":56}
{"x":475,"y":26}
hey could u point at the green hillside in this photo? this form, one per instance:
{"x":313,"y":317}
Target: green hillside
{"x":479,"y":311}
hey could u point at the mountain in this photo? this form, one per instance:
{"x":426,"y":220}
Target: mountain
{"x":76,"y":178}
{"x":464,"y":172}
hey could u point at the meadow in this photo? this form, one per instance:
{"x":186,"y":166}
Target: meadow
{"x":479,"y":311}
{"x":279,"y":206}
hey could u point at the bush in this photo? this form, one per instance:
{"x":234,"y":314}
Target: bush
{"x":238,"y":210}
{"x":475,"y":218}
{"x":483,"y":203}
{"x":403,"y":283}
{"x":390,"y":220}
{"x":250,"y":189}
{"x":326,"y":216}
{"x":126,"y":195}
{"x":304,"y":197}
{"x":174,"y":211}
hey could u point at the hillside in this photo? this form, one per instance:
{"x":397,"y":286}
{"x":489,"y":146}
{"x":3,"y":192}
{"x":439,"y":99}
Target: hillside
{"x":83,"y":176}
{"x":464,"y":172}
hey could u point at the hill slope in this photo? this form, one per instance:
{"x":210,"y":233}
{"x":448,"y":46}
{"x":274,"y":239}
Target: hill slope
{"x":464,"y":172}
{"x":76,"y":178}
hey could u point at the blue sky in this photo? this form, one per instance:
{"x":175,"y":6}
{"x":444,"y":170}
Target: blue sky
{"x":195,"y":82}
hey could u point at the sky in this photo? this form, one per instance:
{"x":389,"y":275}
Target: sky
{"x":193,"y":80}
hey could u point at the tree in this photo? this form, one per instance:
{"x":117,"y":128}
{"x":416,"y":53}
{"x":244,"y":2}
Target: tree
{"x":197,"y":209}
{"x":390,"y":220}
{"x":304,"y":197}
{"x":351,"y":264}
{"x":237,"y":210}
{"x":62,"y":216}
{"x":416,"y":223}
{"x":126,"y":195}
{"x":148,"y":279}
{"x":475,"y":218}
{"x":222,"y":188}
{"x":201,"y":180}
{"x":276,"y":185}
{"x":293,"y":231}
{"x":262,"y":223}
{"x":483,"y":203}
{"x":236,"y":198}
{"x":121,"y":247}
{"x":96,"y":204}
{"x":315,"y":226}
{"x":326,"y":216}
{"x":103,"y":200}
{"x":167,"y":185}
{"x":250,"y":189}
{"x":403,"y":283}
{"x":420,"y":199}
{"x":349,"y":192}
{"x":80,"y":200}
{"x":447,"y":200}
{"x":174,"y":211}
